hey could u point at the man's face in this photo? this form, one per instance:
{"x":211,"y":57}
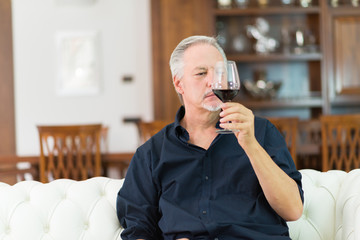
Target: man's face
{"x":195,"y":86}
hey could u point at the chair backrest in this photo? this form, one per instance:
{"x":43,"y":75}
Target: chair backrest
{"x":309,"y":144}
{"x":69,"y":151}
{"x":288,"y":127}
{"x":340,"y":142}
{"x":148,"y":129}
{"x":104,"y":145}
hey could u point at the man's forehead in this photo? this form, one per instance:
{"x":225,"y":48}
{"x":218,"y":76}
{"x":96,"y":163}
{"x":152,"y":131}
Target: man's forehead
{"x":201,"y":67}
{"x":201,"y":55}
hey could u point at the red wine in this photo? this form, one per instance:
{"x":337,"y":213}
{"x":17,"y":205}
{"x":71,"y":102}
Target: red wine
{"x":225,"y":95}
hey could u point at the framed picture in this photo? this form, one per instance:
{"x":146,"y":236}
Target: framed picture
{"x":78,"y":68}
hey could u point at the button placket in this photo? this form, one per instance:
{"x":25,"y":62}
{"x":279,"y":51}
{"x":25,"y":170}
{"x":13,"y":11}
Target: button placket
{"x":205,"y":195}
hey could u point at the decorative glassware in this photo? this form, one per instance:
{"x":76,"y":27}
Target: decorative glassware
{"x":263,"y":3}
{"x":242,"y":3}
{"x":305,"y":3}
{"x":287,"y":2}
{"x":334,"y":3}
{"x":223,"y":4}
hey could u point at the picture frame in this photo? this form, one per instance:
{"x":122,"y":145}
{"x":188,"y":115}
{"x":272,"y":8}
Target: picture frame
{"x":78,"y":64}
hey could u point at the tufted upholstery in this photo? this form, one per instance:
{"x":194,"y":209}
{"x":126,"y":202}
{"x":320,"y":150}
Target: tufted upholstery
{"x":331,"y":207}
{"x":60,"y":210}
{"x":70,"y":210}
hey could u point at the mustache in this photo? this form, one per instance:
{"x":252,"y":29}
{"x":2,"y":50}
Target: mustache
{"x":208,"y":93}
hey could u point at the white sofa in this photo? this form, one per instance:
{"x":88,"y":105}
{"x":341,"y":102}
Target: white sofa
{"x":70,"y":210}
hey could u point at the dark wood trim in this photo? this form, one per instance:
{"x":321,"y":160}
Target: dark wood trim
{"x":173,"y":21}
{"x":156,"y":57}
{"x":271,"y":10}
{"x":5,"y":159}
{"x":7,"y":112}
{"x":110,"y":158}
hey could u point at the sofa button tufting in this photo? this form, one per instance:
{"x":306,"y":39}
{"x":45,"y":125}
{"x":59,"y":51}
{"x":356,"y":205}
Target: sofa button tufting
{"x":7,"y":230}
{"x":46,"y":229}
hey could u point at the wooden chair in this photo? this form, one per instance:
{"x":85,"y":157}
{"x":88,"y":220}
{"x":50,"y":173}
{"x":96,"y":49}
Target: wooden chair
{"x":148,"y":129}
{"x":309,"y":144}
{"x":340,"y":142}
{"x":69,"y":152}
{"x":104,"y":145}
{"x":288,"y":126}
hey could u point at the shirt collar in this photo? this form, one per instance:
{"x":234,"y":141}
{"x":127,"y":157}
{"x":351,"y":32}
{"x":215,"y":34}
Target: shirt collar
{"x":179,"y":130}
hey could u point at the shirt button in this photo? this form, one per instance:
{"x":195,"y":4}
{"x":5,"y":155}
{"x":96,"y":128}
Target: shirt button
{"x":216,"y":239}
{"x":204,"y":212}
{"x":206,"y":178}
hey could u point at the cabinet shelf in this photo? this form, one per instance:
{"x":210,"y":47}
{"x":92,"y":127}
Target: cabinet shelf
{"x":281,"y":103}
{"x":274,"y":57}
{"x":266,"y":11}
{"x":346,"y":10}
{"x":350,"y":100}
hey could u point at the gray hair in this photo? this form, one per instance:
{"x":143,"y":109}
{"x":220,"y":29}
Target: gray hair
{"x":177,"y":57}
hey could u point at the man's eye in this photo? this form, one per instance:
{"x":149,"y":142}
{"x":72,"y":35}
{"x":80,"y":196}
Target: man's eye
{"x":201,"y":73}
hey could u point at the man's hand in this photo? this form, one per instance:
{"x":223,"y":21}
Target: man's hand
{"x":237,"y":117}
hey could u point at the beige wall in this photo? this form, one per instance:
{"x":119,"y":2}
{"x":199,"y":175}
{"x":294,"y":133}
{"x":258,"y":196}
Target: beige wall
{"x":123,"y":29}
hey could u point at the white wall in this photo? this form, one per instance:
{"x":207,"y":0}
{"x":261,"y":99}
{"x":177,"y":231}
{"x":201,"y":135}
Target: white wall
{"x":125,"y":49}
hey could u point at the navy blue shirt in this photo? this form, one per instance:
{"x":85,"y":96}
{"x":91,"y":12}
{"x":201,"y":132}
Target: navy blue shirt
{"x":175,"y":189}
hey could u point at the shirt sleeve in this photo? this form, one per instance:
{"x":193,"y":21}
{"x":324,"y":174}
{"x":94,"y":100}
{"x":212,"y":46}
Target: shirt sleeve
{"x":137,"y":200}
{"x":276,"y":147}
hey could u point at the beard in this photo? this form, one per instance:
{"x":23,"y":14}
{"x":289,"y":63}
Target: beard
{"x":212,"y":107}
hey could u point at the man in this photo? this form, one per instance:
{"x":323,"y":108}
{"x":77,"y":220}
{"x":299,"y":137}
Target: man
{"x":188,"y":182}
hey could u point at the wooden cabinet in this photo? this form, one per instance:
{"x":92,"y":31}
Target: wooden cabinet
{"x":343,"y":58}
{"x":296,"y":60}
{"x":317,"y":58}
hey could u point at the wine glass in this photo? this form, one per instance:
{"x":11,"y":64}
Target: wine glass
{"x":226,"y":84}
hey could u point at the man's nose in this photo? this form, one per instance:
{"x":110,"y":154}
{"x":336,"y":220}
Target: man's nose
{"x":210,"y":78}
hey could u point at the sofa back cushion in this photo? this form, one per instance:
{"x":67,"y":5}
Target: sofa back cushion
{"x":62,"y":209}
{"x":71,"y":210}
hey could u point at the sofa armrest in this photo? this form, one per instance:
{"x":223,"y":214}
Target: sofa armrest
{"x":348,"y":208}
{"x":321,"y":190}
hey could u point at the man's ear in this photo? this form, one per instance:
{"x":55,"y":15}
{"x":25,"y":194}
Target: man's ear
{"x":178,"y":85}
